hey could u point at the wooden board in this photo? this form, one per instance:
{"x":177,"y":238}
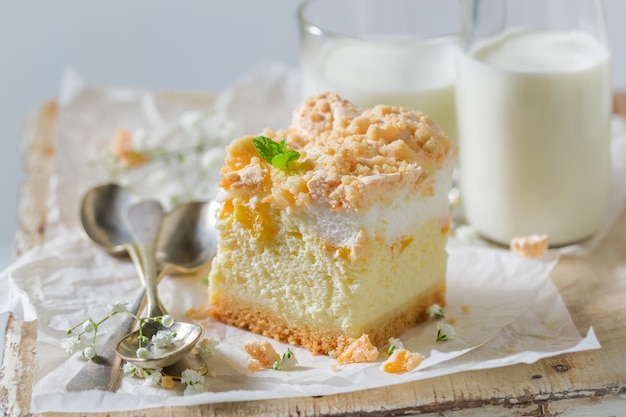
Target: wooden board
{"x":589,"y":383}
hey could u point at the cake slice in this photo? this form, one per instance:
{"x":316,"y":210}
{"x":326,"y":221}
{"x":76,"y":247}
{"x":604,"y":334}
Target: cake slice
{"x":347,"y":240}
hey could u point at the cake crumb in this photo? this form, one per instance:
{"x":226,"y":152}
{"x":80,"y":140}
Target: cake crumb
{"x":123,"y":148}
{"x":465,"y":309}
{"x":167,"y":382}
{"x":451,"y":320}
{"x":262,"y":355}
{"x":361,"y":350}
{"x":198,"y":313}
{"x":402,"y":361}
{"x":529,"y":246}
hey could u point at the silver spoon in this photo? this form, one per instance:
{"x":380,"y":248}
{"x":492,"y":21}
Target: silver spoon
{"x":101,"y":214}
{"x":144,"y":221}
{"x":102,"y":218}
{"x":187,"y":239}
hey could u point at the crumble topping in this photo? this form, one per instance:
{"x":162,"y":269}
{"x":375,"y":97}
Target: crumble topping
{"x":350,"y":157}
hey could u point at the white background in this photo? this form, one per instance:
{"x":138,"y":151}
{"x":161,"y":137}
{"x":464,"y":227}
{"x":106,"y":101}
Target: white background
{"x":155,"y":44}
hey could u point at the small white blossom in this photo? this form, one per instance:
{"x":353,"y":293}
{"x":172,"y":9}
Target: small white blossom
{"x":191,"y":377}
{"x":71,"y":344}
{"x":119,"y":306}
{"x":163,"y":339}
{"x":288,"y":361}
{"x":138,"y":139}
{"x":152,"y":377}
{"x":194,"y":389}
{"x":89,"y":352}
{"x":394,"y":344}
{"x":436,"y":312}
{"x":143,"y":353}
{"x":445,"y":332}
{"x":193,"y":380}
{"x":206,"y":347}
{"x":89,"y":326}
{"x":167,"y":320}
{"x":129,"y":369}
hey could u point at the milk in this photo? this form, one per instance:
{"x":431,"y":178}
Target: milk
{"x":534,"y":120}
{"x":411,"y":74}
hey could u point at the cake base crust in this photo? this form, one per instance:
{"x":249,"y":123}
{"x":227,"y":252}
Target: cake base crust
{"x":255,"y":318}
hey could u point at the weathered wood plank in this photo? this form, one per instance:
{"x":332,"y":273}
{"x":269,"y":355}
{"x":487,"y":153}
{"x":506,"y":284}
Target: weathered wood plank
{"x":18,"y":365}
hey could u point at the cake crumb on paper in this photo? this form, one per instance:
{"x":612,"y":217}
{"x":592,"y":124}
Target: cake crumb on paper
{"x":529,"y":246}
{"x":262,"y":355}
{"x":200,"y":313}
{"x":167,"y":382}
{"x":402,"y":361}
{"x":361,"y":350}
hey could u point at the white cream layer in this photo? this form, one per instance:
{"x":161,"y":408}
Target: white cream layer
{"x":400,"y":214}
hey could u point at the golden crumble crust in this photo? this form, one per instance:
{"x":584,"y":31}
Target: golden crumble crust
{"x":349,"y":156}
{"x":238,"y":313}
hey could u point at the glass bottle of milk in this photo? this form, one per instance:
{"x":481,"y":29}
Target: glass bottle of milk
{"x":534,"y":108}
{"x":396,"y":52}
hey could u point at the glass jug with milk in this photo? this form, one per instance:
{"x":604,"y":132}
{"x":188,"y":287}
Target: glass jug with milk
{"x":534,"y":109}
{"x":396,"y":52}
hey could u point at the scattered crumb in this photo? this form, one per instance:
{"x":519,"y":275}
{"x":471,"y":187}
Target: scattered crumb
{"x":262,"y":355}
{"x":510,"y":350}
{"x":361,"y":350}
{"x":198,"y":313}
{"x":465,"y":309}
{"x":122,"y":148}
{"x":451,"y":320}
{"x":402,"y":361}
{"x":254,"y":365}
{"x":544,"y":337}
{"x":167,"y":382}
{"x":529,"y":246}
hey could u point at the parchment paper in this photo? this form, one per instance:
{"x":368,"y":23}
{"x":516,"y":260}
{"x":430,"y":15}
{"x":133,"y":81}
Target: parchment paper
{"x":514,"y":312}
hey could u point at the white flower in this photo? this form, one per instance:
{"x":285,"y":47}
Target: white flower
{"x":71,"y":344}
{"x":288,"y":361}
{"x":193,"y":389}
{"x":163,"y":339}
{"x":89,"y":352}
{"x":207,"y":346}
{"x":167,"y":320}
{"x":129,"y":369}
{"x":152,"y":376}
{"x":138,"y":139}
{"x":143,"y":353}
{"x":119,"y":306}
{"x":89,"y":326}
{"x":191,"y":377}
{"x":445,"y":332}
{"x":394,"y":344}
{"x":436,"y":312}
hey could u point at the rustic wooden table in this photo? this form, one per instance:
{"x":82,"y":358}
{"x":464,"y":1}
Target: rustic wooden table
{"x":591,"y":383}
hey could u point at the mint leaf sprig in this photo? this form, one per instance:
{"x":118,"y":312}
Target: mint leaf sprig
{"x":275,"y":153}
